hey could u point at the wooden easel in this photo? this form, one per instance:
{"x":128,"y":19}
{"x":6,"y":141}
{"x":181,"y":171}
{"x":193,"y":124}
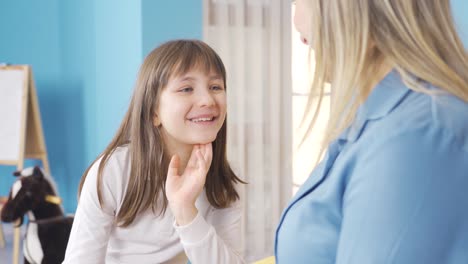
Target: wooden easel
{"x":31,"y":142}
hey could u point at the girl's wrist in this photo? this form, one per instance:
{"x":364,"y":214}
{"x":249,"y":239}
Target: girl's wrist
{"x":184,"y":215}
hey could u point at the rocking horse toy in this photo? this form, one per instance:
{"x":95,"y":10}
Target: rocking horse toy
{"x":48,"y":230}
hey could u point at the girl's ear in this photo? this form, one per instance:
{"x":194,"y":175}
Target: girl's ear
{"x":156,"y":121}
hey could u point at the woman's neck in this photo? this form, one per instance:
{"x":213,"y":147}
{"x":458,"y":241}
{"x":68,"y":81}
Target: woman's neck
{"x":381,"y":73}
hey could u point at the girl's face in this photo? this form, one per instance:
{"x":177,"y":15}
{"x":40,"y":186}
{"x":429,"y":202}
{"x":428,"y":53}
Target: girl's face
{"x":302,"y":21}
{"x":192,"y":108}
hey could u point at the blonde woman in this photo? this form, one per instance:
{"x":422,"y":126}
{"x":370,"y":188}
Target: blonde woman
{"x":392,"y":186}
{"x":163,"y":190}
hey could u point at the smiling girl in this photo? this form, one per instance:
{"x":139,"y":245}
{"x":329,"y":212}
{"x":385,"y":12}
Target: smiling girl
{"x":163,"y":190}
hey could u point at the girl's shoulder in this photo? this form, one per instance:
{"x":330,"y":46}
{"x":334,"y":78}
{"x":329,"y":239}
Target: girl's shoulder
{"x":115,"y":171}
{"x":118,"y":159}
{"x":113,"y":181}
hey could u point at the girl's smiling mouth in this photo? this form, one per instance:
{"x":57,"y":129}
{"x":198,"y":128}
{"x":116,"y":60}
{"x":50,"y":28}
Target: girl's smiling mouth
{"x":205,"y":119}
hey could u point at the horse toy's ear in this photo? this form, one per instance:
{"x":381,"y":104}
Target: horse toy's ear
{"x":37,"y":172}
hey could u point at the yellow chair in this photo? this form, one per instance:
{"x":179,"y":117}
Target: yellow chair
{"x":269,"y":260}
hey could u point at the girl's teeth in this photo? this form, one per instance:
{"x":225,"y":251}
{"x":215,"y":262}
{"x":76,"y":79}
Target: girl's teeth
{"x":202,"y":119}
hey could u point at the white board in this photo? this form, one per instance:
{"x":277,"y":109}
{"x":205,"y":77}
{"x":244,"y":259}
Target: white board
{"x":12,"y":91}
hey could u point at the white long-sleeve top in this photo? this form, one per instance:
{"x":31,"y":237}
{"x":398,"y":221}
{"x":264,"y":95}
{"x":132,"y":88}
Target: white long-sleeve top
{"x":212,"y":237}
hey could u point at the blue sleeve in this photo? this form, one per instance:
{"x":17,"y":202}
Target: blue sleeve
{"x":407,"y":202}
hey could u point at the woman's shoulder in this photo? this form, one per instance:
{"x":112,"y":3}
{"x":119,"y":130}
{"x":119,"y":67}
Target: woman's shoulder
{"x":424,"y":137}
{"x":450,"y":114}
{"x":438,"y":115}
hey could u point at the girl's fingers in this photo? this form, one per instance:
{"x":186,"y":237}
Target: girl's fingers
{"x":200,"y":159}
{"x":204,"y":150}
{"x":208,"y":154}
{"x":201,"y":162}
{"x":193,"y":157}
{"x":173,"y":169}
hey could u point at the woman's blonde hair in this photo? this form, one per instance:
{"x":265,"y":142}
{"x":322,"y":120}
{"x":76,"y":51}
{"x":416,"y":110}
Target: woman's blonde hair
{"x":352,"y":39}
{"x":149,"y":161}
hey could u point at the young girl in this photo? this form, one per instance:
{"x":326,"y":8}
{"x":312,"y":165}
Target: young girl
{"x":163,"y":190}
{"x":393,"y":185}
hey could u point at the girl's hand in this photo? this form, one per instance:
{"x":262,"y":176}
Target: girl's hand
{"x":183,"y":190}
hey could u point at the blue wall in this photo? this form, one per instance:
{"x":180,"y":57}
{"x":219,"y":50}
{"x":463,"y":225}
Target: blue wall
{"x":85,"y":56}
{"x":460,"y":10}
{"x":78,"y":42}
{"x":118,"y":56}
{"x":183,"y":22}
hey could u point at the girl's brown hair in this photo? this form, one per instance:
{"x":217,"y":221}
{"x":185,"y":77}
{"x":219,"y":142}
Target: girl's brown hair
{"x":149,"y":162}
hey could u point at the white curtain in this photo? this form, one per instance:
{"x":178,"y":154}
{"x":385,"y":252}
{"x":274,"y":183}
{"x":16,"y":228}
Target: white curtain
{"x":253,"y":37}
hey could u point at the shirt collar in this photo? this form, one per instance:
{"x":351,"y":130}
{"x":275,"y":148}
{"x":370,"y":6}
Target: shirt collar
{"x":385,"y":97}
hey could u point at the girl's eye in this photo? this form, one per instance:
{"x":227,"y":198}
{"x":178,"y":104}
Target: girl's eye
{"x":216,"y":88}
{"x":186,"y":90}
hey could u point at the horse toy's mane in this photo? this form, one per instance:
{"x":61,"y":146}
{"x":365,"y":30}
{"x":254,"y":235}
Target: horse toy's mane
{"x":34,"y":193}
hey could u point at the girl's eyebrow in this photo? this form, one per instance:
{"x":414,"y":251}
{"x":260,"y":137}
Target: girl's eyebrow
{"x":190,"y":78}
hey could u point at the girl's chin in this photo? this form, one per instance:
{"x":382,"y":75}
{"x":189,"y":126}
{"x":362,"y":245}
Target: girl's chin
{"x":200,"y":140}
{"x":204,"y":141}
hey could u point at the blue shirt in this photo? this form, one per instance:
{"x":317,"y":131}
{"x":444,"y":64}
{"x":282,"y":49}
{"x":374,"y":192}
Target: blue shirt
{"x":393,"y":188}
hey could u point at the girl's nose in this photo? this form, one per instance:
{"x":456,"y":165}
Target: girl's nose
{"x":206,"y":99}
